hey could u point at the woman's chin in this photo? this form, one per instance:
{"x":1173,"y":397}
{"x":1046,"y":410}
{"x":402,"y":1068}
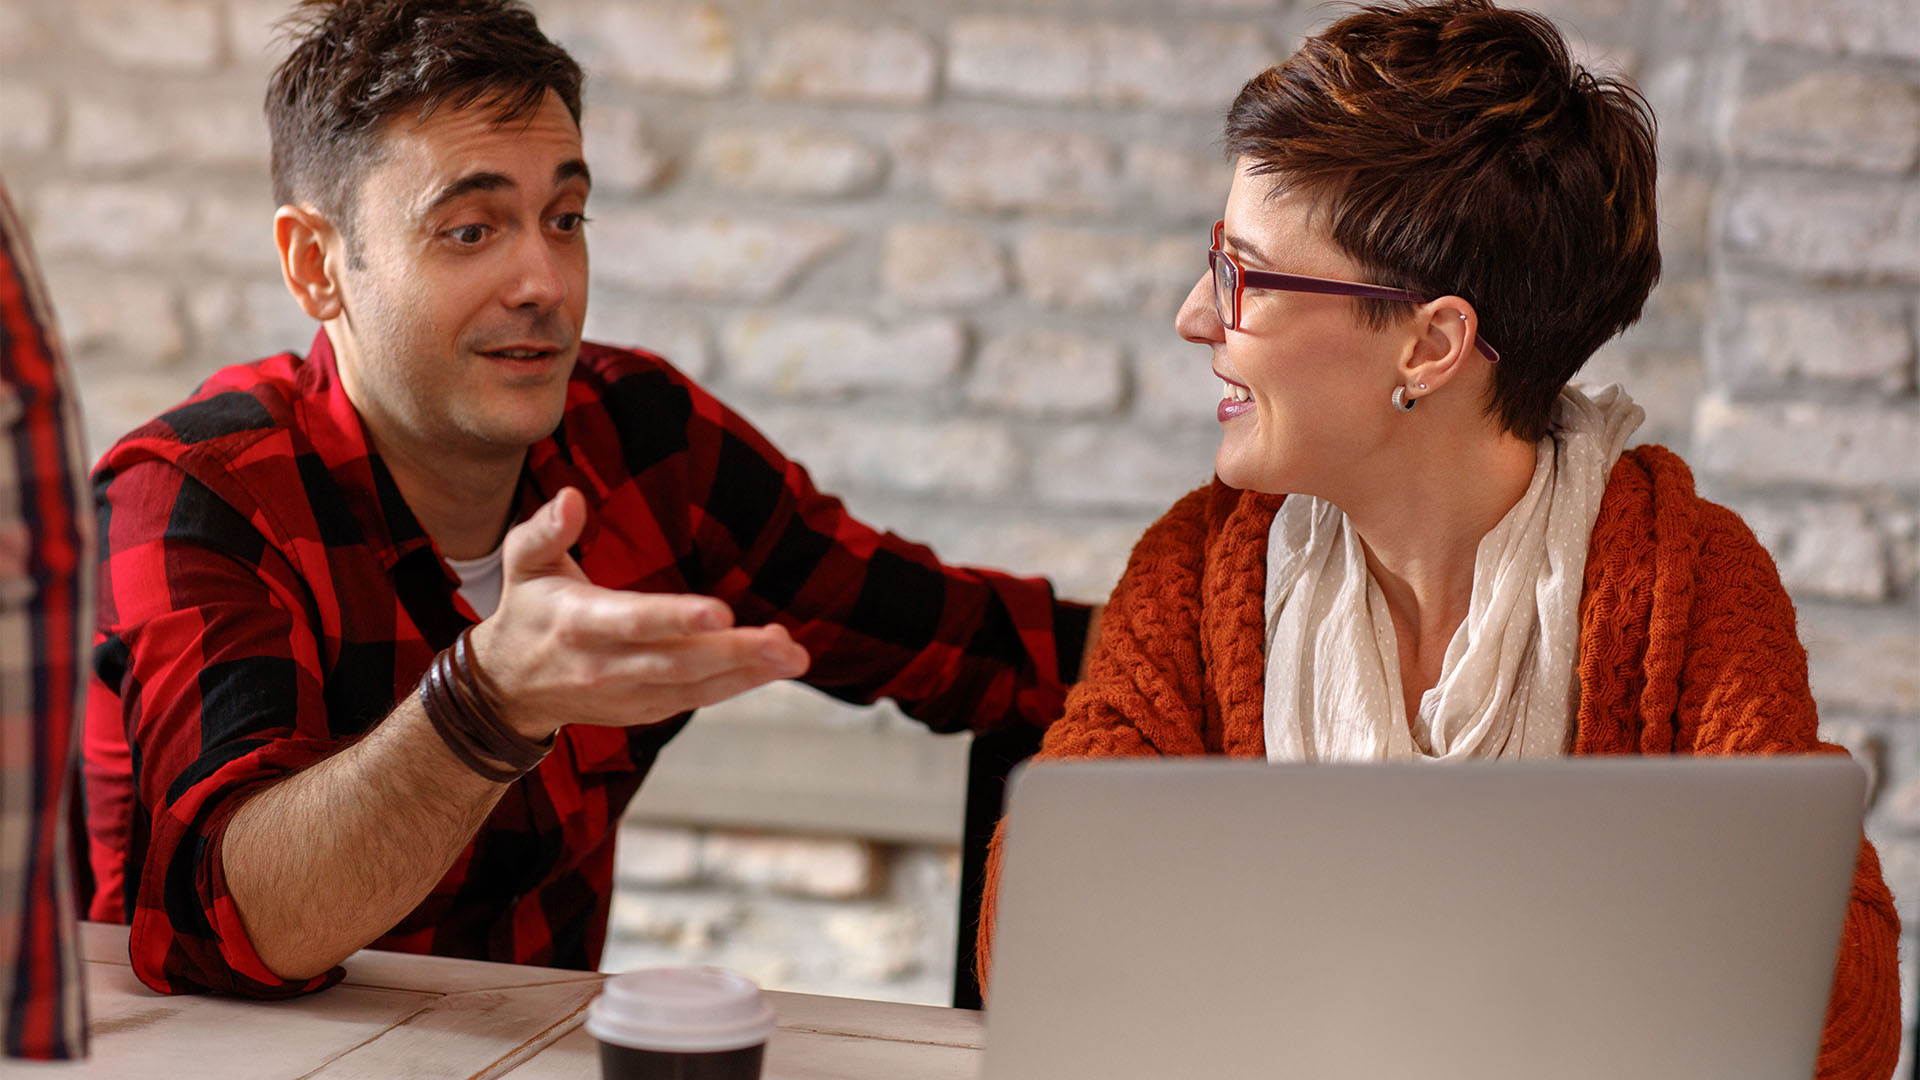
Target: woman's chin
{"x":1233,"y":472}
{"x":1249,"y":473}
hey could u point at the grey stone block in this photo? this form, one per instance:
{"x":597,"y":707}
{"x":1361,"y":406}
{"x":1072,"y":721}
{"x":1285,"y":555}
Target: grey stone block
{"x":807,"y":356}
{"x":154,"y":35}
{"x":843,"y":62}
{"x":1842,"y":230}
{"x":1838,"y":446}
{"x":709,"y":256}
{"x":789,"y":162}
{"x":937,"y":264}
{"x":1831,"y":118}
{"x":1049,"y":373}
{"x":1865,"y":27}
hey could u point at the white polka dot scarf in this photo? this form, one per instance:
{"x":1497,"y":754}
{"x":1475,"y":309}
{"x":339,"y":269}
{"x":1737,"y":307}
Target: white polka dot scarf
{"x":1507,"y":685}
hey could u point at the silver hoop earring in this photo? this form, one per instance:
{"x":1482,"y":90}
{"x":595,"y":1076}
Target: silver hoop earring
{"x":1401,"y":401}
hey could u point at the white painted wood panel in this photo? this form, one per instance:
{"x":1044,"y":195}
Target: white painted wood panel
{"x":140,"y":1035}
{"x":469,"y":1034}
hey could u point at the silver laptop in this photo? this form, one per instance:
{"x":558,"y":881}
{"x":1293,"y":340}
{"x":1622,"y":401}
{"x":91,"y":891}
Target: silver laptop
{"x":1603,"y":918}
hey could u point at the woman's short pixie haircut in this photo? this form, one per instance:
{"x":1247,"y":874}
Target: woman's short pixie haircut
{"x":1457,"y":149}
{"x":356,"y":64}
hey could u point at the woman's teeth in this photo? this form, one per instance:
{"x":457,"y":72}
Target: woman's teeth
{"x":1232,"y":392}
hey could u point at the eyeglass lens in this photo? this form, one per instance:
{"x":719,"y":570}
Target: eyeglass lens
{"x":1224,"y":281}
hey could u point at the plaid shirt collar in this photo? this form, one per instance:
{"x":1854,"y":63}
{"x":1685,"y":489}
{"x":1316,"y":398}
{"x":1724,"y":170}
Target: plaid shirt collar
{"x":339,"y":435}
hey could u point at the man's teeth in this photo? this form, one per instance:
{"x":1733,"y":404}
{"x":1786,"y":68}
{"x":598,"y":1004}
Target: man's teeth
{"x":519,"y":354}
{"x":1230,"y":392}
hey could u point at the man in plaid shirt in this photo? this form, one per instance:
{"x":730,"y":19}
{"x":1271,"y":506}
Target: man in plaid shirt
{"x":269,"y":786}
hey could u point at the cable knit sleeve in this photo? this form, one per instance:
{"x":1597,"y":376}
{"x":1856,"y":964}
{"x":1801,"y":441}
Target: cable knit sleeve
{"x":1144,"y":686}
{"x":1744,"y":690}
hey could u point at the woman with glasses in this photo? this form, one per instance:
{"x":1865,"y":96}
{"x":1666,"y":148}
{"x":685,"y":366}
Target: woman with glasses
{"x":1421,"y":541}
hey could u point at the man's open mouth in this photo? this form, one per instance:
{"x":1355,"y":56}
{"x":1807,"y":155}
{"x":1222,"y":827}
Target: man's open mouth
{"x":521,"y":353}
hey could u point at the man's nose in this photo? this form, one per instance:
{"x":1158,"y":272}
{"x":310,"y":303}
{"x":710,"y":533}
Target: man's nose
{"x":539,"y":279}
{"x":1198,"y":321}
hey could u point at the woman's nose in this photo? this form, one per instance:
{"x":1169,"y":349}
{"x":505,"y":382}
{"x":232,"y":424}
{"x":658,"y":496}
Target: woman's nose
{"x":1198,"y":321}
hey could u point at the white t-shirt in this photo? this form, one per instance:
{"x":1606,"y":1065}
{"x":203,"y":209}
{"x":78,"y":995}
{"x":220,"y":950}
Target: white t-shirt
{"x":480,"y":580}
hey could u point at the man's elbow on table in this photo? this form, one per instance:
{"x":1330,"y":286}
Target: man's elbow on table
{"x":187,"y":936}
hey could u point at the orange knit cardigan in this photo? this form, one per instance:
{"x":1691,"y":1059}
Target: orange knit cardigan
{"x":1687,"y":646}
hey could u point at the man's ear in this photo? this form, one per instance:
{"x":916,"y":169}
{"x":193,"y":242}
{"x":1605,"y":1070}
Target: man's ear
{"x":1442,"y":346}
{"x":306,"y":239}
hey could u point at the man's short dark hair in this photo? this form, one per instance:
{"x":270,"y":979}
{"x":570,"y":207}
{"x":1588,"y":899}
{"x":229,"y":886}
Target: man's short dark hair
{"x":1457,"y":148}
{"x":356,"y":64}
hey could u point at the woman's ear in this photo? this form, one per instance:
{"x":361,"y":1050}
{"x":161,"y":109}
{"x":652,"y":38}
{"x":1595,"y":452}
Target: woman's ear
{"x":305,"y":239}
{"x":1443,"y":344}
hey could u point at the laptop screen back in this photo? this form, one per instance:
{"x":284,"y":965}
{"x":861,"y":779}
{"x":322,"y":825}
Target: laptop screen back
{"x":1584,"y":918}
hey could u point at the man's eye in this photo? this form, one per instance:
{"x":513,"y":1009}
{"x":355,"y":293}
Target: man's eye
{"x":570,"y":222}
{"x":468,"y":234}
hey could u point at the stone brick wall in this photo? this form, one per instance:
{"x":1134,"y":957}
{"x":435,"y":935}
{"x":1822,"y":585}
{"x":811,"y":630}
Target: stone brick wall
{"x":1809,"y":424}
{"x":933,"y":249}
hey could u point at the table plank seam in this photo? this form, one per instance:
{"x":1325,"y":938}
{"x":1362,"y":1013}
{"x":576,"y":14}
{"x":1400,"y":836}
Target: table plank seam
{"x":818,"y":1029}
{"x":425,"y":1006}
{"x":528,"y":1050}
{"x":351,"y":981}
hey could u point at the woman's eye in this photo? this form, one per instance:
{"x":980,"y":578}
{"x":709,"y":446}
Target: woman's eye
{"x":468,"y":234}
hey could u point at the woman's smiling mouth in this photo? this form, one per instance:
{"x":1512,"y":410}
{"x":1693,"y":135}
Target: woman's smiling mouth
{"x":1235,"y":399}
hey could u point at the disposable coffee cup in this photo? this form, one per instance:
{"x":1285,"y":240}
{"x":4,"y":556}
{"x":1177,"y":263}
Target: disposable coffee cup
{"x":680,"y":1024}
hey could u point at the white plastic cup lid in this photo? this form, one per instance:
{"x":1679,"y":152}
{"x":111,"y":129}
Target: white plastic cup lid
{"x":681,"y":1010}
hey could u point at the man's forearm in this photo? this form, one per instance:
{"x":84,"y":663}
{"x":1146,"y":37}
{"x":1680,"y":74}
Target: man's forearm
{"x":329,"y":859}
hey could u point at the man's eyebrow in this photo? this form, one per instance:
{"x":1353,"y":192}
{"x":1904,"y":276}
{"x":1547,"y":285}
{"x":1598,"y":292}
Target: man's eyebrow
{"x":571,"y":169}
{"x":467,"y":185}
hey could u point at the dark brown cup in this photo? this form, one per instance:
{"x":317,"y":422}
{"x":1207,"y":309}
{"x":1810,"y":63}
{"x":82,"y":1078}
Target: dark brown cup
{"x":624,"y":1063}
{"x":680,"y":1024}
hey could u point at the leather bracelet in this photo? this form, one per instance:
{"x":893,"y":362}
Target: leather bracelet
{"x":453,"y":718}
{"x":438,"y":714}
{"x":478,"y":695}
{"x":459,"y":703}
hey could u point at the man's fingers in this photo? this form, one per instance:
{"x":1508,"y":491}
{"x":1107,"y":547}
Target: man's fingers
{"x":698,"y":658}
{"x":785,"y":654}
{"x":734,"y":683}
{"x":719,"y":688}
{"x":538,"y":546}
{"x":561,"y":646}
{"x":595,"y":618}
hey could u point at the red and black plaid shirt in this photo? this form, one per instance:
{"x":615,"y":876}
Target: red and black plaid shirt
{"x":267,"y":596}
{"x":45,"y":592}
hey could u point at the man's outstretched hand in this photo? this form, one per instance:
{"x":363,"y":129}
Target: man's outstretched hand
{"x":561,"y":650}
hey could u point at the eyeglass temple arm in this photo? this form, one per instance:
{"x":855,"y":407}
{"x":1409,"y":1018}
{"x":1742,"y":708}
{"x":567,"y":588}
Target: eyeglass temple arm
{"x":1262,"y":279}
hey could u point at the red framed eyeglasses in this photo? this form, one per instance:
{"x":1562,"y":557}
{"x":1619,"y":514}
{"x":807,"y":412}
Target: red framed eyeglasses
{"x":1230,"y":280}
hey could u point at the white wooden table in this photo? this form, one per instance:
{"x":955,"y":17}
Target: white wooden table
{"x":403,"y":1017}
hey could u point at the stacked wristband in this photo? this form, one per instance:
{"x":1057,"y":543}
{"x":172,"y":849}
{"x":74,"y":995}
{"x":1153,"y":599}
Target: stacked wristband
{"x":460,"y":705}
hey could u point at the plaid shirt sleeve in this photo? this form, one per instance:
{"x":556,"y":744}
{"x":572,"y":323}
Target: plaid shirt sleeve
{"x":956,"y":647}
{"x":45,"y":593}
{"x":222,"y":694}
